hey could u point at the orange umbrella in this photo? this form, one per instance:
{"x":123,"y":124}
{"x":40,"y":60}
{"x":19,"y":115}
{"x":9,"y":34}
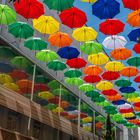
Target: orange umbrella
{"x":59,"y":39}
{"x":99,"y":125}
{"x":137,"y":109}
{"x":93,"y":70}
{"x":129,"y":71}
{"x":114,"y":98}
{"x":134,"y":121}
{"x":120,"y":54}
{"x":64,"y":104}
{"x":134,"y":18}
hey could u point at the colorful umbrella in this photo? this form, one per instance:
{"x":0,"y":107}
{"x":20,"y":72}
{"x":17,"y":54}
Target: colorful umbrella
{"x":120,"y":54}
{"x":131,"y":4}
{"x":46,"y":25}
{"x":20,"y":30}
{"x":134,"y":18}
{"x":40,"y":87}
{"x":59,"y":5}
{"x":99,"y":99}
{"x":90,"y":1}
{"x":111,"y":27}
{"x":93,"y":70}
{"x":84,"y":34}
{"x":134,"y":61}
{"x":91,"y":47}
{"x":86,"y":87}
{"x":5,"y":68}
{"x":110,"y":92}
{"x":114,"y":42}
{"x":76,"y":62}
{"x":56,"y":65}
{"x":53,"y":84}
{"x":126,"y":115}
{"x":7,"y":15}
{"x":127,"y":89}
{"x":131,"y":95}
{"x":114,"y":66}
{"x":92,"y":94}
{"x":60,"y":90}
{"x":5,"y":78}
{"x":54,"y":100}
{"x":137,"y":79}
{"x":117,"y":117}
{"x":110,"y":75}
{"x":74,"y":81}
{"x":105,"y":9}
{"x":11,"y":86}
{"x":126,"y":110}
{"x":51,"y":106}
{"x":129,"y":71}
{"x":35,"y":43}
{"x":45,"y":95}
{"x":73,"y":17}
{"x":104,"y":85}
{"x":71,"y":73}
{"x":92,"y":78}
{"x":100,"y":119}
{"x":24,"y":83}
{"x":114,"y":97}
{"x":29,"y":8}
{"x":119,"y":102}
{"x":134,"y":35}
{"x":98,"y":59}
{"x":136,"y":48}
{"x":103,"y":104}
{"x":41,"y":79}
{"x":68,"y":52}
{"x":123,"y":82}
{"x":59,"y":39}
{"x":46,"y":55}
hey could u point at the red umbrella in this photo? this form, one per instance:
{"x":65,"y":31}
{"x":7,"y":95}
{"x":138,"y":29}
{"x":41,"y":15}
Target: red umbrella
{"x":137,"y":104}
{"x":110,"y":92}
{"x":73,"y":17}
{"x":110,"y":75}
{"x":76,"y":62}
{"x":83,"y":115}
{"x":29,"y":8}
{"x":64,"y":113}
{"x":111,"y":27}
{"x":126,"y":110}
{"x":137,"y":79}
{"x":54,"y":100}
{"x":41,"y":87}
{"x":137,"y":48}
{"x":92,"y":78}
{"x":131,"y":4}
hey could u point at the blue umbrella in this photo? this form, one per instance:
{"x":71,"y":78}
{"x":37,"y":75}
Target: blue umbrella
{"x":42,"y":102}
{"x":134,"y":35}
{"x":119,"y":102}
{"x":104,"y":9}
{"x":130,"y":118}
{"x":5,"y":68}
{"x":68,"y":52}
{"x":70,"y":108}
{"x":127,"y":89}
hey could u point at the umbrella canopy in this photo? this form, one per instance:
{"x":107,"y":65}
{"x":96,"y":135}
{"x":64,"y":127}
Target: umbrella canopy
{"x":104,"y":85}
{"x":24,"y":83}
{"x":136,"y":48}
{"x":110,"y":75}
{"x":120,"y":54}
{"x":92,"y":78}
{"x":35,"y":43}
{"x":114,"y":42}
{"x":117,"y":117}
{"x":59,"y":5}
{"x":111,"y":27}
{"x":103,"y":104}
{"x":5,"y":78}
{"x":45,"y":95}
{"x":114,"y":66}
{"x":90,"y":1}
{"x":119,"y":102}
{"x":56,"y":65}
{"x":21,"y":30}
{"x":76,"y":62}
{"x":91,"y":47}
{"x":46,"y":25}
{"x":98,"y":59}
{"x":92,"y":94}
{"x":53,"y":84}
{"x":127,"y":89}
{"x":134,"y":61}
{"x":84,"y":34}
{"x":5,"y":68}
{"x":51,"y":106}
{"x":129,"y":71}
{"x":7,"y":15}
{"x":123,"y":82}
{"x":93,"y":70}
{"x":105,"y":9}
{"x":126,"y":110}
{"x":46,"y":55}
{"x":137,"y":79}
{"x":114,"y":97}
{"x":29,"y":8}
{"x":20,"y":62}
{"x":134,"y":18}
{"x":99,"y":99}
{"x":59,"y":39}
{"x":131,"y":95}
{"x":11,"y":86}
{"x":72,"y":73}
{"x":110,"y":92}
{"x":134,"y":35}
{"x":60,"y":90}
{"x":73,"y":17}
{"x":131,"y":4}
{"x":41,"y":79}
{"x":40,"y":87}
{"x":74,"y":81}
{"x":68,"y":52}
{"x":86,"y":87}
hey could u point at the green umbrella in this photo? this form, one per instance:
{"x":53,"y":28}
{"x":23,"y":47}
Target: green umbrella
{"x":122,"y":122}
{"x":86,"y":87}
{"x":117,"y":117}
{"x":100,"y":99}
{"x":111,"y":112}
{"x":100,"y":119}
{"x":46,"y":55}
{"x":20,"y":30}
{"x":41,"y":79}
{"x":71,"y":73}
{"x":56,"y":65}
{"x":134,"y":61}
{"x":59,"y":5}
{"x":129,"y":125}
{"x":7,"y":15}
{"x":20,"y":62}
{"x":74,"y":81}
{"x":103,"y":104}
{"x":122,"y":82}
{"x":92,"y":94}
{"x":30,"y":69}
{"x":72,"y":99}
{"x":131,"y":95}
{"x":91,"y":47}
{"x":35,"y":43}
{"x":50,"y":106}
{"x":53,"y":84}
{"x":6,"y":52}
{"x":138,"y":114}
{"x":110,"y":108}
{"x":60,"y":90}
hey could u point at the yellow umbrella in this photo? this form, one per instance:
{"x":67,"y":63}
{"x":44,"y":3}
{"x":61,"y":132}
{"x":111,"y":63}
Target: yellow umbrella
{"x":104,"y":85}
{"x":87,"y":119}
{"x":5,"y":78}
{"x":114,"y":66}
{"x":46,"y":25}
{"x":128,"y":115}
{"x":11,"y":86}
{"x":58,"y":110}
{"x":84,"y":34}
{"x":98,"y":59}
{"x":90,"y":1}
{"x":134,"y":99}
{"x":45,"y":95}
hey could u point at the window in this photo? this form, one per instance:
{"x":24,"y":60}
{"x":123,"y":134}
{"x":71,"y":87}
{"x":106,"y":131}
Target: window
{"x":36,"y":129}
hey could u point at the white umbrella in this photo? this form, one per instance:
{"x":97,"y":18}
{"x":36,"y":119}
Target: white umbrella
{"x":124,"y":106}
{"x":114,"y":42}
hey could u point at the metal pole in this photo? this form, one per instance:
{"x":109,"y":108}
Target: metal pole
{"x":79,"y":110}
{"x":59,"y":105}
